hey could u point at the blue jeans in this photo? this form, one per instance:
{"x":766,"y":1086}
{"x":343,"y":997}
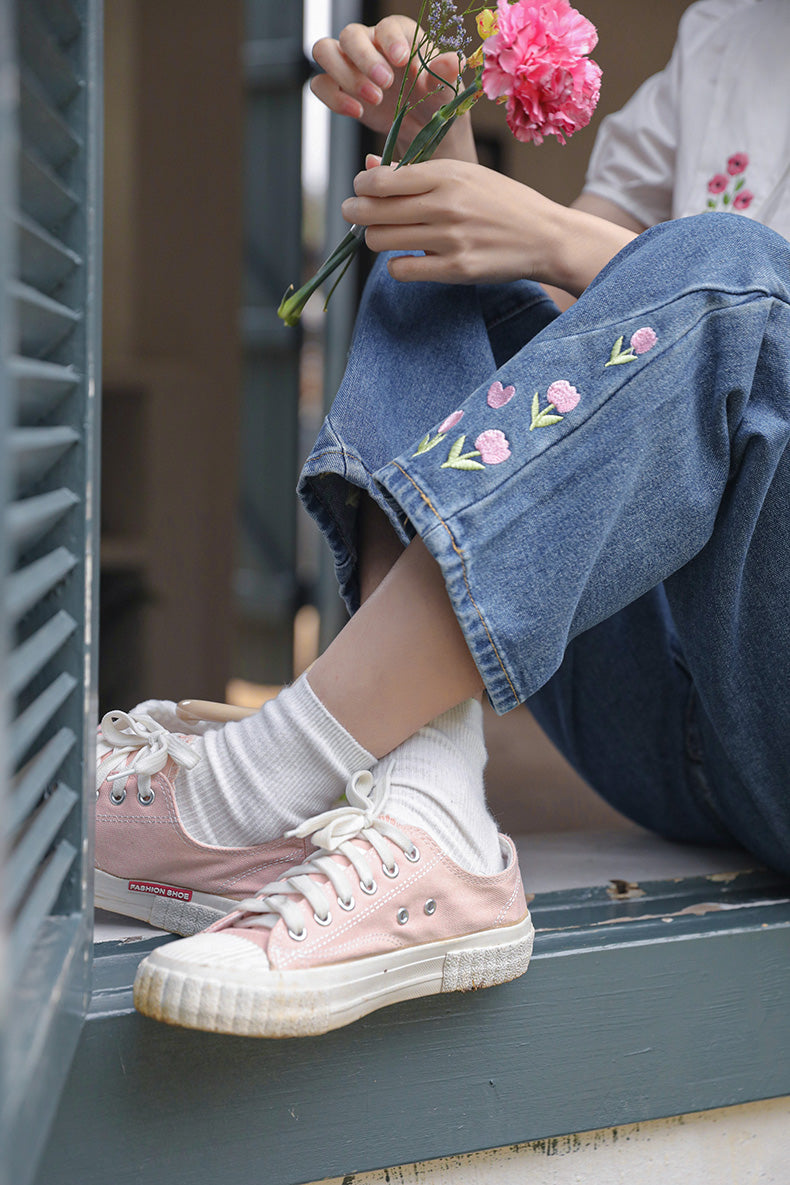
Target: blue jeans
{"x":607,"y":493}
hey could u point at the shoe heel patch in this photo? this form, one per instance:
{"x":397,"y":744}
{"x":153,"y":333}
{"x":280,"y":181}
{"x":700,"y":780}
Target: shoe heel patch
{"x":465,"y":971}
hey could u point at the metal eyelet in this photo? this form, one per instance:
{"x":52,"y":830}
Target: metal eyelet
{"x":117,"y":796}
{"x":402,"y":915}
{"x":390,"y":872}
{"x":327,"y":921}
{"x":97,"y":796}
{"x":146,"y":799}
{"x":430,"y":906}
{"x":413,"y":854}
{"x":346,"y":904}
{"x":299,"y":936}
{"x":369,"y":889}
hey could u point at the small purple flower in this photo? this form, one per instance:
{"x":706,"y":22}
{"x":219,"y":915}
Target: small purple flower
{"x":717,"y":184}
{"x":493,"y":446}
{"x":737,"y":163}
{"x":743,"y":200}
{"x":454,"y":418}
{"x":563,"y":395}
{"x":643,"y":340}
{"x":498,"y":395}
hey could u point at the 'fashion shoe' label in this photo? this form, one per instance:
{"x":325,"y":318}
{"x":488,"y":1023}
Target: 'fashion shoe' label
{"x":160,"y":890}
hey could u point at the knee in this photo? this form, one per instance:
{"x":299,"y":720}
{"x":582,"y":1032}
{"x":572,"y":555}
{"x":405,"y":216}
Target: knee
{"x":723,"y":251}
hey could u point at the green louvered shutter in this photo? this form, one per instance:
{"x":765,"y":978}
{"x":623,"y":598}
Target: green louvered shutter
{"x":49,"y":254}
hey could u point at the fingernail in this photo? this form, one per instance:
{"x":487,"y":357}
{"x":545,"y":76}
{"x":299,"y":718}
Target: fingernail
{"x":381,"y":75}
{"x":370,"y":93}
{"x":399,"y":52}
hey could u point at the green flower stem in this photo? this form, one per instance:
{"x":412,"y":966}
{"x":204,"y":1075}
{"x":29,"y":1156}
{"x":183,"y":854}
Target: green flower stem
{"x":421,"y":148}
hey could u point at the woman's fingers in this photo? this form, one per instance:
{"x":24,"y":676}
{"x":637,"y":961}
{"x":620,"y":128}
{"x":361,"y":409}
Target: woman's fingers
{"x":362,"y":62}
{"x":344,"y":72}
{"x":334,"y":98}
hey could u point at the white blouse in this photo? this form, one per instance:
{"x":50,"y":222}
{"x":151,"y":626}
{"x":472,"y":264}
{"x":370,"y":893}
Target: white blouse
{"x":712,"y":130}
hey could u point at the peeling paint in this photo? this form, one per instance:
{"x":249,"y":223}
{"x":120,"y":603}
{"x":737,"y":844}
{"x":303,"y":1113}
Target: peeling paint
{"x":620,"y":890}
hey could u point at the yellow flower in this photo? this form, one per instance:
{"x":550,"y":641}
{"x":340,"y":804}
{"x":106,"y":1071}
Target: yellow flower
{"x":486,"y":23}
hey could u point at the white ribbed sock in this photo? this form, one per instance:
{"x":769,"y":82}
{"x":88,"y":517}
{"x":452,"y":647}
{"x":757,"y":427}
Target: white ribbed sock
{"x":437,"y":784}
{"x":261,"y":776}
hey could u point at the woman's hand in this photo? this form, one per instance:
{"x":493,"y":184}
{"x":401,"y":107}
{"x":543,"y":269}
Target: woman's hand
{"x":364,"y":69}
{"x":476,"y":226}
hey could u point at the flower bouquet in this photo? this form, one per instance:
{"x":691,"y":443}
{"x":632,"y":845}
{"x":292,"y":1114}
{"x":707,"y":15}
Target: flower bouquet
{"x":533,"y":57}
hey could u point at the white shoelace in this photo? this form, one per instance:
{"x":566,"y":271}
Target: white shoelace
{"x":332,"y":832}
{"x":150,"y":743}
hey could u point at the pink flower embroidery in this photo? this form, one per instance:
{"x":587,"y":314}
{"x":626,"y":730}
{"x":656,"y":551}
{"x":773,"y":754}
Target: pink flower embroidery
{"x":643,"y":340}
{"x":737,"y":163}
{"x":537,"y":63}
{"x":454,"y":418}
{"x":562,"y":395}
{"x":493,"y":446}
{"x":743,"y":200}
{"x":498,"y":395}
{"x":717,"y":184}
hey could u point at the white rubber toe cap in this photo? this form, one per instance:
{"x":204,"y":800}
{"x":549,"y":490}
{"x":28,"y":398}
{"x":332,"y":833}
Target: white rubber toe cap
{"x":208,"y":952}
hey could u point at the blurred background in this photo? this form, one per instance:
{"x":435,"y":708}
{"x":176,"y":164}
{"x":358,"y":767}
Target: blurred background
{"x":223,"y":183}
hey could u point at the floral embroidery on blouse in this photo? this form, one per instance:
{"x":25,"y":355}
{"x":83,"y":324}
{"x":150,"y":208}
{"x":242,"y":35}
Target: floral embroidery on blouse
{"x":727,"y":191}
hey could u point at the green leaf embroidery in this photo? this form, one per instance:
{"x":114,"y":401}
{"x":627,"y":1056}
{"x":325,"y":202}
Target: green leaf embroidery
{"x":619,"y":355}
{"x":426,"y":444}
{"x":457,"y":459}
{"x":535,"y":409}
{"x":739,"y":184}
{"x":711,"y":204}
{"x":544,"y":419}
{"x":464,"y":462}
{"x":726,"y":199}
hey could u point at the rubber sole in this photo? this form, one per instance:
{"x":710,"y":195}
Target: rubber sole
{"x":168,"y":907}
{"x":306,"y":1003}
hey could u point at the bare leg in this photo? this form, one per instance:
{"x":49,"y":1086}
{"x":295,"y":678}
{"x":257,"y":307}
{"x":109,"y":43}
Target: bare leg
{"x":379,"y":547}
{"x":402,"y":658}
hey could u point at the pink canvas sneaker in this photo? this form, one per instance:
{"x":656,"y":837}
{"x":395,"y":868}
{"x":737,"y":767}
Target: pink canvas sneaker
{"x":147,"y":866}
{"x":379,"y":914}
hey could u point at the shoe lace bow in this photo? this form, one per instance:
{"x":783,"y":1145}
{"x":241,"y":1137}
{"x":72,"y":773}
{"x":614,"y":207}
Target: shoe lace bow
{"x":149,"y":744}
{"x":332,"y":832}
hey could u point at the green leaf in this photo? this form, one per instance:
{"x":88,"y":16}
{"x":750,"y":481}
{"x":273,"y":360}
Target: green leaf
{"x":726,"y":199}
{"x":739,"y":184}
{"x":535,"y":410}
{"x":711,"y":204}
{"x":616,"y":349}
{"x":426,"y":444}
{"x":544,"y":419}
{"x":464,"y":462}
{"x":618,"y":361}
{"x":456,"y":449}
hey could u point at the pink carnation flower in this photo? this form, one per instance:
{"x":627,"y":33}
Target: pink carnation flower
{"x":537,"y":63}
{"x":717,"y":183}
{"x":743,"y":200}
{"x":737,"y":163}
{"x":493,"y":446}
{"x":643,"y":340}
{"x":454,"y":418}
{"x":562,"y":395}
